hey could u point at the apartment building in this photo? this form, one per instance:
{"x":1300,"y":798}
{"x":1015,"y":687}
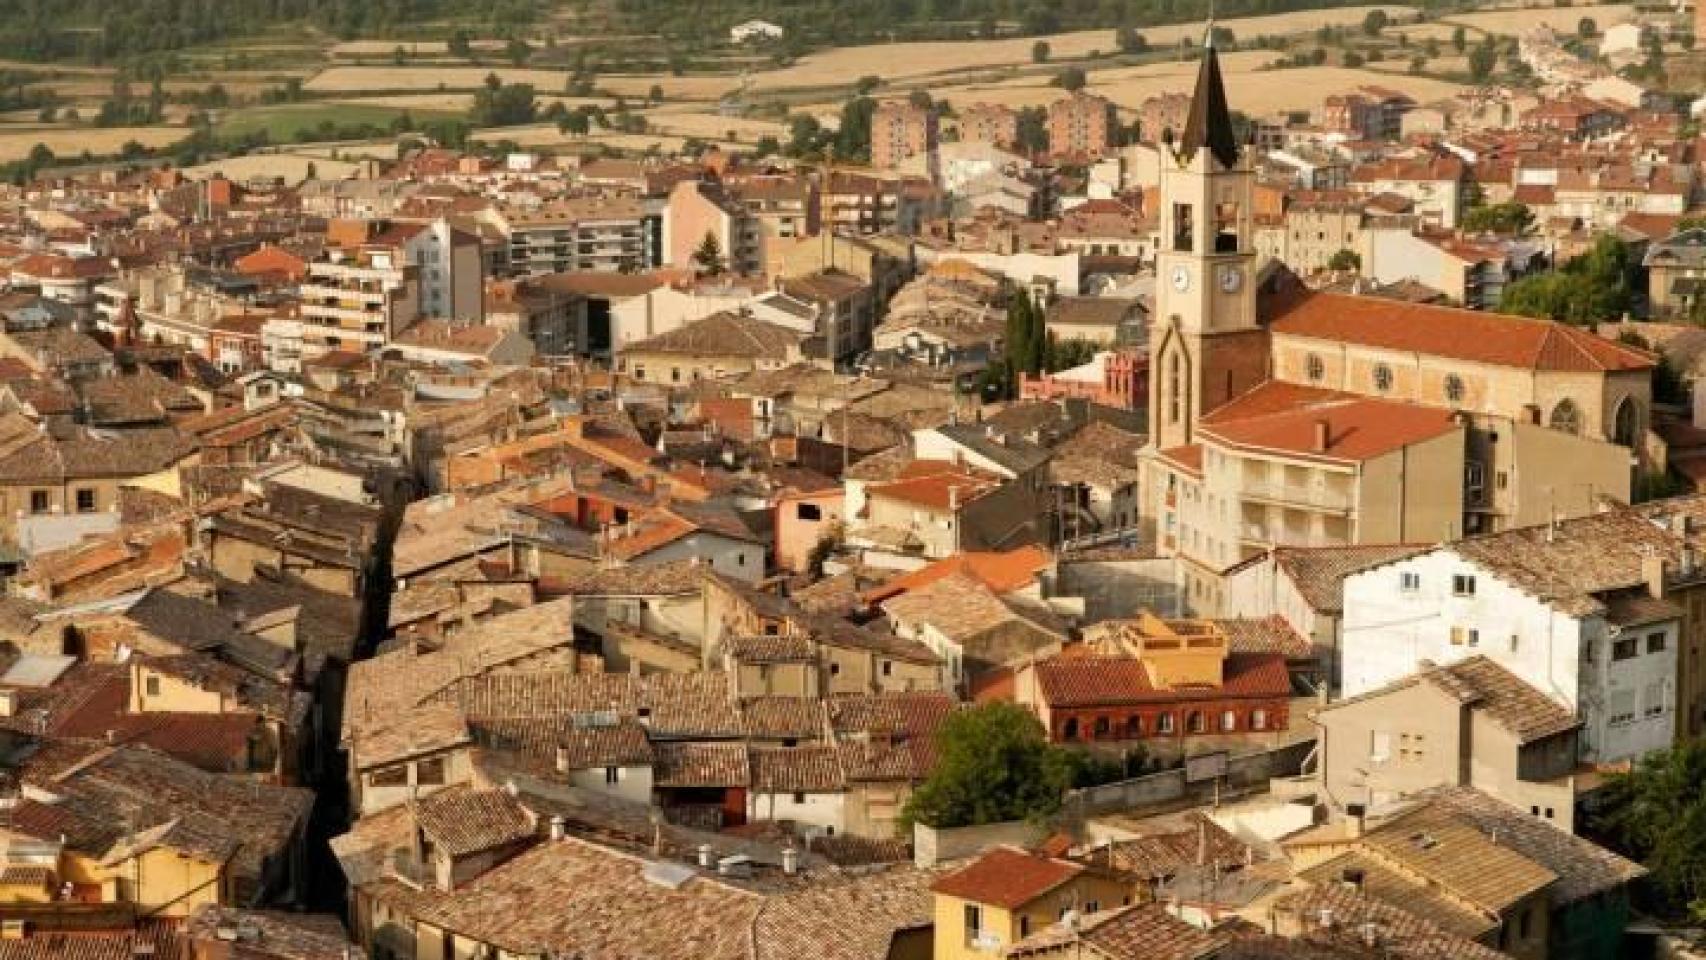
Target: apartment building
{"x":1163,"y":112}
{"x":1081,"y":126}
{"x":698,"y":209}
{"x":607,"y":234}
{"x":1436,"y":187}
{"x":901,"y":130}
{"x":362,"y":291}
{"x":990,"y":124}
{"x":1676,"y":273}
{"x":1599,"y":613}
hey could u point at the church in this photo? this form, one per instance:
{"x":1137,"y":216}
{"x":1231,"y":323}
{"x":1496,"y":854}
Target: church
{"x":1279,"y":416}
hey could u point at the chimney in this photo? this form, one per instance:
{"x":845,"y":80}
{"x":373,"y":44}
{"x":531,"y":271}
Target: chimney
{"x":1653,"y":572}
{"x":707,"y":856}
{"x":8,"y":703}
{"x":1355,"y":813}
{"x":1323,"y":433}
{"x":559,"y":828}
{"x":790,"y":861}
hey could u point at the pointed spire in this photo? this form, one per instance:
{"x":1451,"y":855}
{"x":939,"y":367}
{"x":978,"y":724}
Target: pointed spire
{"x":1210,"y":122}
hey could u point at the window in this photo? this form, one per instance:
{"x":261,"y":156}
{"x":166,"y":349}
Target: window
{"x":612,"y":775}
{"x":396,"y":776}
{"x":153,"y":686}
{"x":1463,"y":585}
{"x":1622,"y":707}
{"x":1092,"y":906}
{"x":1382,"y":377}
{"x":85,"y":501}
{"x":1625,"y":648}
{"x":1453,"y":388}
{"x":1409,"y":581}
{"x":1164,"y":723}
{"x":1024,"y":925}
{"x":430,"y":773}
{"x":1175,"y":378}
{"x":1070,"y":730}
{"x":1102,"y":727}
{"x":809,"y":511}
{"x":1134,"y":726}
{"x":1379,"y":746}
{"x":1565,"y":417}
{"x":1226,"y":228}
{"x":1465,"y":637}
{"x":1653,"y":700}
{"x":888,"y":668}
{"x":1194,"y":722}
{"x":1258,"y":720}
{"x":1183,"y":227}
{"x":974,"y":921}
{"x":1655,"y":643}
{"x":38,"y":501}
{"x":1228,"y":722}
{"x":835,"y":669}
{"x":1314,"y":368}
{"x":799,"y":798}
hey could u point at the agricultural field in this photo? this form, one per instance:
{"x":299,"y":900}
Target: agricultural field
{"x":282,"y":122}
{"x":380,"y":79}
{"x":16,"y":141}
{"x":292,"y":168}
{"x":1558,"y":18}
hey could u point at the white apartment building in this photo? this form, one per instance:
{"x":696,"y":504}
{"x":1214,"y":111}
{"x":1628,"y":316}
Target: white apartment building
{"x":1576,"y":609}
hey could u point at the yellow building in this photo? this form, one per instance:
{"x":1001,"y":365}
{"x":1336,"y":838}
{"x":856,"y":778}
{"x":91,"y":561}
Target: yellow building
{"x":1008,"y":894}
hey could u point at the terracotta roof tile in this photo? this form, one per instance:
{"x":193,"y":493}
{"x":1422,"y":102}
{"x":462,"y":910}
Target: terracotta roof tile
{"x":1006,"y":877}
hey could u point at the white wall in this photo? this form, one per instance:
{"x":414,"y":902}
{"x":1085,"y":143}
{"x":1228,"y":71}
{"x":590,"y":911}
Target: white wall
{"x":632,"y":783}
{"x":815,"y":813}
{"x":1388,"y":631}
{"x":734,"y":558}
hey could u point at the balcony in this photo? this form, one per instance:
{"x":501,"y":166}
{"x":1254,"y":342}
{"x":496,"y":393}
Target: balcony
{"x":321,"y":311}
{"x":1306,"y":496}
{"x":319,"y":291}
{"x":1270,"y":535}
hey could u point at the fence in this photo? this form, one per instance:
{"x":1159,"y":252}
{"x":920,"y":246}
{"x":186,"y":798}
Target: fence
{"x":1244,"y":771}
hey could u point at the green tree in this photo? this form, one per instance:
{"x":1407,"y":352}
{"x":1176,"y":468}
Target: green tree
{"x":460,"y":45}
{"x":853,"y":136}
{"x":655,"y":95}
{"x":1592,"y":288}
{"x":498,"y":104}
{"x":1072,"y":78}
{"x":994,"y":764}
{"x":1459,"y":40}
{"x":518,"y":51}
{"x":709,"y":257}
{"x":1656,"y":813}
{"x":1374,"y":22}
{"x":1039,"y":51}
{"x":1587,"y":29}
{"x":1128,"y":40}
{"x":1345,"y":261}
{"x":1482,"y":59}
{"x":1510,"y":219}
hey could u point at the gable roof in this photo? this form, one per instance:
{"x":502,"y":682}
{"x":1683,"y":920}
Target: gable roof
{"x":1454,"y":333}
{"x":1485,"y":686}
{"x":1007,"y":877}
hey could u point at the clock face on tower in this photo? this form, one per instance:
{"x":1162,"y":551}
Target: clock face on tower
{"x":1181,"y":278}
{"x":1231,"y":278}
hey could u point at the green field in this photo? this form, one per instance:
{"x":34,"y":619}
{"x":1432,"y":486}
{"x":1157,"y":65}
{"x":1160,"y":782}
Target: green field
{"x":282,"y":122}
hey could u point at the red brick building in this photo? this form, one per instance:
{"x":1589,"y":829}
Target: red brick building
{"x":1114,"y":379}
{"x":1081,"y":127}
{"x":989,"y":123}
{"x":901,"y":130}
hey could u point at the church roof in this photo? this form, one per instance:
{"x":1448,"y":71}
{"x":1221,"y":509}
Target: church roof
{"x":1471,"y":335}
{"x":1210,"y":121}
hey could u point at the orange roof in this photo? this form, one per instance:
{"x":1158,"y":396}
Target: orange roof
{"x":941,"y":491}
{"x":1490,"y":338}
{"x":1006,"y":877}
{"x":1188,"y":457}
{"x":1341,"y":427}
{"x":1000,"y":572}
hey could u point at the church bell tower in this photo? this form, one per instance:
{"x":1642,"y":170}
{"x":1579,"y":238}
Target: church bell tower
{"x":1201,"y":353}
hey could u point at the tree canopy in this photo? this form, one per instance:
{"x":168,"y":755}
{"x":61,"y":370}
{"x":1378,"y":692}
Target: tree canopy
{"x":1591,"y":288}
{"x":994,"y":764}
{"x":1656,"y":813}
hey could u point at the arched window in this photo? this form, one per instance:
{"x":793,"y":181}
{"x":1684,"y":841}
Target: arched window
{"x":1566,"y":417}
{"x":1258,"y":719}
{"x":1625,"y":424}
{"x":1069,"y":731}
{"x":1175,"y":386}
{"x":1194,"y":722}
{"x":1382,"y":377}
{"x":1164,"y":723}
{"x":1228,"y":721}
{"x":1134,"y":726}
{"x":1314,"y":368}
{"x":1453,"y":388}
{"x":1101,"y":727}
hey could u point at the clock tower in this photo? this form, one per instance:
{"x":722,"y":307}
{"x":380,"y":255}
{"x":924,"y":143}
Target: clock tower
{"x":1205,"y":346}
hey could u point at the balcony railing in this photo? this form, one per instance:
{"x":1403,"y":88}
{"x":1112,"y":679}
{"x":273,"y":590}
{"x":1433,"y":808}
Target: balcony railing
{"x":1299,"y":495}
